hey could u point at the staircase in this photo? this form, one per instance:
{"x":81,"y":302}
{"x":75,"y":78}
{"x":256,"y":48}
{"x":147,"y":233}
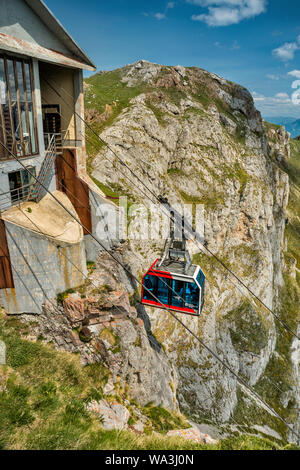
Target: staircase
{"x":54,"y":148}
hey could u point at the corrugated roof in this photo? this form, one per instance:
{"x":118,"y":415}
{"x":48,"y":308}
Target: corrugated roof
{"x":19,"y":46}
{"x":54,"y":25}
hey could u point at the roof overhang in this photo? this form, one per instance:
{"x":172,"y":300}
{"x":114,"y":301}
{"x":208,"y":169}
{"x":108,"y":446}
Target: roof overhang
{"x":54,"y":25}
{"x":19,"y":46}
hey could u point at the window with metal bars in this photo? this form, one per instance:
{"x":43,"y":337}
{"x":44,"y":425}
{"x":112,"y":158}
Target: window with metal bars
{"x":18,"y":129}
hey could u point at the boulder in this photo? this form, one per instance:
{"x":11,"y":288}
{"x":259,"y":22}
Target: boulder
{"x":193,"y":434}
{"x":114,"y":415}
{"x":2,"y":353}
{"x":74,"y":309}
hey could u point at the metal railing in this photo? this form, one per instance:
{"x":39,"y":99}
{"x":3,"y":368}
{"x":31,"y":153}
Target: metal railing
{"x":54,"y":143}
{"x":15,"y":196}
{"x":45,"y":174}
{"x":49,"y":138}
{"x":63,"y":139}
{"x":34,"y":191}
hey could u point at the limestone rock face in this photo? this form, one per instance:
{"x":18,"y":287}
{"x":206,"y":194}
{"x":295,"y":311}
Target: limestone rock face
{"x":103,"y":327}
{"x":279,"y":143}
{"x":195,"y":137}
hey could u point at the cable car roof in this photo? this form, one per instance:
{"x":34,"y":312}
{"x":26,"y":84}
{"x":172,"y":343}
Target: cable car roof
{"x":175,"y":268}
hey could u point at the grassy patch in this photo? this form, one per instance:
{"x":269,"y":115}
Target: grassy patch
{"x":211,"y":200}
{"x":247,"y":330}
{"x":111,"y":338}
{"x":106,"y":189}
{"x":63,"y":295}
{"x":164,"y":420}
{"x":106,"y":89}
{"x":175,"y":171}
{"x":158,"y":113}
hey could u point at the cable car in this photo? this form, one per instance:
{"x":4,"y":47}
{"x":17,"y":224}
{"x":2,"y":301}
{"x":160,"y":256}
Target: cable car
{"x":174,"y":282}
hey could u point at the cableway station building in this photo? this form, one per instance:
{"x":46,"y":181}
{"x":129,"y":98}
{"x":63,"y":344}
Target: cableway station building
{"x":43,"y":250}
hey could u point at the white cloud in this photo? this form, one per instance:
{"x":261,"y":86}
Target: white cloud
{"x":282,"y":97}
{"x":294,"y":73}
{"x":235,"y":46}
{"x":280,"y":104}
{"x":272,"y":77}
{"x":226,"y":12}
{"x":277,"y":33}
{"x":258,"y":97}
{"x":287,"y":51}
{"x":160,"y":16}
{"x":278,"y":98}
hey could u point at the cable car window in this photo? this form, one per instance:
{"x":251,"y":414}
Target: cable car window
{"x":150,"y":282}
{"x":163,"y":290}
{"x":202,"y":293}
{"x":200,"y":277}
{"x":191,"y":295}
{"x":177,"y":293}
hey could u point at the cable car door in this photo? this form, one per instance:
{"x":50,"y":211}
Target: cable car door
{"x":177,"y":293}
{"x":163,"y":290}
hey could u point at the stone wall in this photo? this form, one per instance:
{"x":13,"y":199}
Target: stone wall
{"x":40,"y":269}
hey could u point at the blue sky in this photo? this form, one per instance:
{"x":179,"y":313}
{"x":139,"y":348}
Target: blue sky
{"x":252,"y":42}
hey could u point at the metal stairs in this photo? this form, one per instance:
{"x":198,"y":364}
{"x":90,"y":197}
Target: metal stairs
{"x":45,"y":175}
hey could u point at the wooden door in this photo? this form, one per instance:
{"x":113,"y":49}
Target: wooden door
{"x":6,"y":277}
{"x":74,"y":187}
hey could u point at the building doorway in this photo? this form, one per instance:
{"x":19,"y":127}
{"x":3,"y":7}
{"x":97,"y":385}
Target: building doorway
{"x":51,"y":119}
{"x":51,"y":123}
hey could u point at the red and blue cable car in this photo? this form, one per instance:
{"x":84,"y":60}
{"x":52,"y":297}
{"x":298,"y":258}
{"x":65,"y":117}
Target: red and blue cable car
{"x":174,"y":283}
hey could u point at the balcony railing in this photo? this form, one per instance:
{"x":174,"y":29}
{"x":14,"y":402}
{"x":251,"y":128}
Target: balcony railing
{"x":15,"y":196}
{"x":63,"y":140}
{"x":50,"y":139}
{"x":54,"y":143}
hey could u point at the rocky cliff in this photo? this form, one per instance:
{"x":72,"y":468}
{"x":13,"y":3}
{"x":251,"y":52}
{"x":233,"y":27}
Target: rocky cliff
{"x":195,"y":137}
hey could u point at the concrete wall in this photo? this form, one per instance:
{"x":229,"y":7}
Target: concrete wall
{"x":40,"y":269}
{"x":18,"y":20}
{"x":79,"y":122}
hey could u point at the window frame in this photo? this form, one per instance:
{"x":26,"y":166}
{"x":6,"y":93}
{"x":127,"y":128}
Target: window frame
{"x":24,"y":189}
{"x":4,"y":154}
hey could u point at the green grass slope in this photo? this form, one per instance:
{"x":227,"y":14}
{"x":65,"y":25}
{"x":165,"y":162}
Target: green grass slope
{"x":43,"y":394}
